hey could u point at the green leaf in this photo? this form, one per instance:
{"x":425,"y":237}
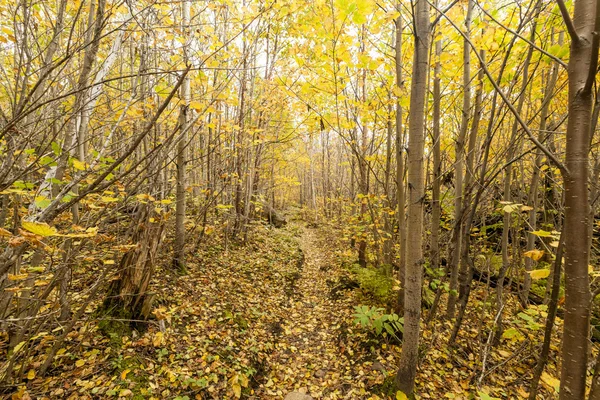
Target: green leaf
{"x":511,"y":333}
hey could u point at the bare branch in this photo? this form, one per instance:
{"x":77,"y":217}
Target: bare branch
{"x":551,"y":156}
{"x":568,"y":21}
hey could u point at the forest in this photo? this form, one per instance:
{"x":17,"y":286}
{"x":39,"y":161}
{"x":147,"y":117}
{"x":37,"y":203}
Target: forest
{"x":299,"y":199}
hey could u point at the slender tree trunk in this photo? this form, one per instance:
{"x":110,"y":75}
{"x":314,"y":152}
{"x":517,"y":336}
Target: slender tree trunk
{"x":455,"y":245}
{"x":436,"y":208}
{"x":582,"y":67}
{"x":179,"y":257}
{"x":405,"y":378}
{"x":400,"y":193}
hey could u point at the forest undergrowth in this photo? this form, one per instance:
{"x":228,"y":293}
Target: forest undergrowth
{"x":278,"y":314}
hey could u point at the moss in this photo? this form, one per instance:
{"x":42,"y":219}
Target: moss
{"x":387,"y":388}
{"x":113,"y":323}
{"x":135,"y":379}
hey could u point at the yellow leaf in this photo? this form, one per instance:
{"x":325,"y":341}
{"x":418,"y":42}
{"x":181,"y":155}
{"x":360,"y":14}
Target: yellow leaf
{"x":31,"y":374}
{"x":79,"y":363}
{"x":158,"y":339}
{"x":541,"y":233}
{"x":17,"y":277}
{"x":196,"y":105}
{"x":109,"y":262}
{"x":39,"y":228}
{"x":237,"y":390}
{"x":511,"y":208}
{"x":551,"y":381}
{"x":78,"y":165}
{"x":124,"y":374}
{"x":539,"y":273}
{"x":401,"y":396}
{"x":18,"y":347}
{"x":534,"y":254}
{"x":4,"y":232}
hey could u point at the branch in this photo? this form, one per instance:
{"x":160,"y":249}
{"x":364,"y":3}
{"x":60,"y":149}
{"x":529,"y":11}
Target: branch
{"x":568,"y":21}
{"x":54,"y":208}
{"x":529,"y":42}
{"x":591,"y":78}
{"x":508,"y":103}
{"x":437,"y":19}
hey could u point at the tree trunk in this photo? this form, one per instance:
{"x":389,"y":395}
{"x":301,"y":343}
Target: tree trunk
{"x":400,"y":194}
{"x":457,"y":236}
{"x":179,"y":256}
{"x":405,"y":378}
{"x":581,"y":73}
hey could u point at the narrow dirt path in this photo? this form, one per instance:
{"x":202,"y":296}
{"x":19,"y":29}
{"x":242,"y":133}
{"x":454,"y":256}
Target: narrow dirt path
{"x":310,"y":354}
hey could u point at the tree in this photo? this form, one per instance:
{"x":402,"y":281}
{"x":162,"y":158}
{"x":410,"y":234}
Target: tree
{"x":405,"y":378}
{"x":583,"y":64}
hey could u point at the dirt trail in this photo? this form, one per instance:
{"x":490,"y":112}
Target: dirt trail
{"x":309,"y":350}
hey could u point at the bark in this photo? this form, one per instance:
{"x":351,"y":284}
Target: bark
{"x":179,"y":257}
{"x":400,"y":193}
{"x":457,"y":236}
{"x":405,"y":378}
{"x":437,"y":163}
{"x":581,"y":73}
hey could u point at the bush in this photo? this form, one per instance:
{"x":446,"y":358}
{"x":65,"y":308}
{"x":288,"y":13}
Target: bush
{"x":374,"y":282}
{"x":375,"y":320}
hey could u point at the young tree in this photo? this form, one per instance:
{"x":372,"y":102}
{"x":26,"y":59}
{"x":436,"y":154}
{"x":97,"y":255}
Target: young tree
{"x":405,"y":378}
{"x":583,"y":65}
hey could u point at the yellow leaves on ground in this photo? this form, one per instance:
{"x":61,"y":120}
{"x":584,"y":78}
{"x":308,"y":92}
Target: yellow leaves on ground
{"x":535,"y":255}
{"x":159,"y":339}
{"x":238,"y":381}
{"x":551,"y":381}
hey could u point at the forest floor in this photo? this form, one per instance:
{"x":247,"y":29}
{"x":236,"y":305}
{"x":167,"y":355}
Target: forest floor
{"x":270,"y":317}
